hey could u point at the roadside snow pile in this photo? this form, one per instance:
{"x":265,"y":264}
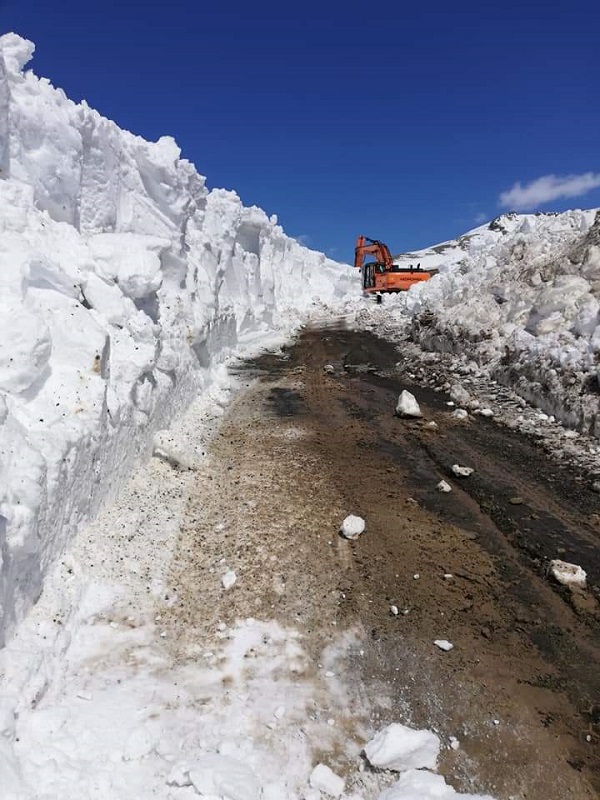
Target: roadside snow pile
{"x":521,"y":298}
{"x":124,"y":281}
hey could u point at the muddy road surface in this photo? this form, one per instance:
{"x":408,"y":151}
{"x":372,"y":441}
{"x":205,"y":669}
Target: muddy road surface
{"x":303,"y":447}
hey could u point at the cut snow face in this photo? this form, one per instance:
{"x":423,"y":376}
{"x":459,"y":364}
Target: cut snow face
{"x":125,"y":285}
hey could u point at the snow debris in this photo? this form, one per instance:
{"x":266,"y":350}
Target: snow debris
{"x":228,"y":579}
{"x":443,"y":486}
{"x":462,"y":472}
{"x":329,"y":369}
{"x":460,"y":413}
{"x":431,"y":425}
{"x":398,"y":747}
{"x":407,"y":405}
{"x":394,"y":610}
{"x":418,"y":784}
{"x":224,"y":777}
{"x":485,"y":412}
{"x":325,"y":780}
{"x":443,"y":644}
{"x":570,"y":575}
{"x":352,"y":527}
{"x":454,"y":743}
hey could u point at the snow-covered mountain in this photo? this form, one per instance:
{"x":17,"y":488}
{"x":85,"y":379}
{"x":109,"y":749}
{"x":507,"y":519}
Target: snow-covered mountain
{"x":519,"y":297}
{"x":124,"y":283}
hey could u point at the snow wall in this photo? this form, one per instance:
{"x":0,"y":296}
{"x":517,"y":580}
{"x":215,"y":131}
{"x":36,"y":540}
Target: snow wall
{"x":123,"y":283}
{"x":519,"y":297}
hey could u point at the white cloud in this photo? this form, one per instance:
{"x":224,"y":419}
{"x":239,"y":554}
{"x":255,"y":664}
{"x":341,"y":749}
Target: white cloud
{"x":547,"y":188}
{"x":482,"y":217}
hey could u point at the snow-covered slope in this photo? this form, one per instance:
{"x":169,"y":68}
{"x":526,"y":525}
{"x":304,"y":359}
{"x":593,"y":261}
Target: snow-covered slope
{"x":520,"y":297}
{"x":123,"y":282}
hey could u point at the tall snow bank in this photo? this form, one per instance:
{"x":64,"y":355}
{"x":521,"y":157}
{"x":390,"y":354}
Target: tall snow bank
{"x":123,"y":281}
{"x":521,"y":297}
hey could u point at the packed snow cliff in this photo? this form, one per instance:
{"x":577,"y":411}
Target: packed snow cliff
{"x":124,"y":282}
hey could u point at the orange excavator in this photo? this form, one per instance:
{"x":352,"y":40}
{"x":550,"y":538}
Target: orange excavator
{"x":382,"y":275}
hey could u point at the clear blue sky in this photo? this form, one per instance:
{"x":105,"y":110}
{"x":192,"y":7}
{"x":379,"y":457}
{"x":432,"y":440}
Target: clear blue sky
{"x":403,"y":121}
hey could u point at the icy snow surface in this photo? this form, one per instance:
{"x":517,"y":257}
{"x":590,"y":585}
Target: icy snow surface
{"x":124,"y":284}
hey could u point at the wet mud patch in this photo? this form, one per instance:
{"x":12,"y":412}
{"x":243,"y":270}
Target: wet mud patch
{"x":286,"y":402}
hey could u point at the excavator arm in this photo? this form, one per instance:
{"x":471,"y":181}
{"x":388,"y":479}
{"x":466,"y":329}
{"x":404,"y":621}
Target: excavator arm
{"x":366,"y":246}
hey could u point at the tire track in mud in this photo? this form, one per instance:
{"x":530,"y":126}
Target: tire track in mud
{"x":301,"y":449}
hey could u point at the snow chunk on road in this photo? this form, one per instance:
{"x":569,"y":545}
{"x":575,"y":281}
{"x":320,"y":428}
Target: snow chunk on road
{"x":325,"y":780}
{"x":224,"y":777}
{"x":398,"y":747}
{"x":444,"y":486}
{"x":462,"y":472}
{"x":425,"y":785}
{"x":407,"y":405}
{"x":228,"y":579}
{"x":460,"y":413}
{"x":443,"y":644}
{"x":352,"y":527}
{"x":568,"y":574}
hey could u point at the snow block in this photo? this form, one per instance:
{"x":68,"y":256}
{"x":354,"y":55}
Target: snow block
{"x":325,"y":780}
{"x":570,"y":575}
{"x":407,"y":405}
{"x":398,"y":747}
{"x":352,"y":527}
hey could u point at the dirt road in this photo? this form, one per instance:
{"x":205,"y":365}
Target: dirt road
{"x":304,"y":447}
